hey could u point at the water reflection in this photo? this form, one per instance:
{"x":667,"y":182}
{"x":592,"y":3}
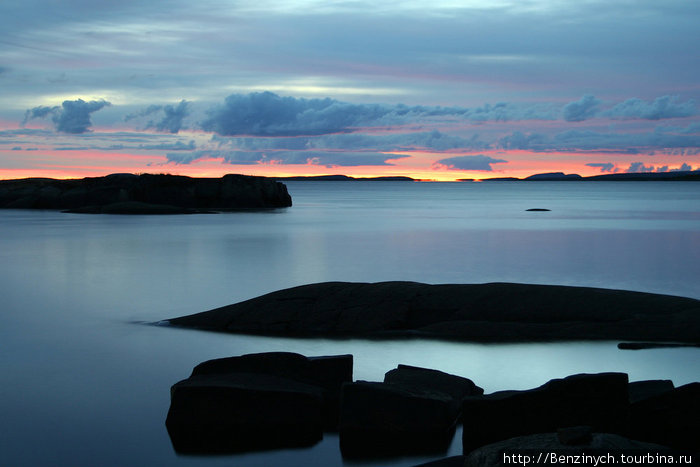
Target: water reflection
{"x":83,"y":386}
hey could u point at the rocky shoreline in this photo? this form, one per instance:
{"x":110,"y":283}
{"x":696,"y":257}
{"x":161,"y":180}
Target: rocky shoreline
{"x":281,"y":400}
{"x":144,"y":194}
{"x":494,"y":312}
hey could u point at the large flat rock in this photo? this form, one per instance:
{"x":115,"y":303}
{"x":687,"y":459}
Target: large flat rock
{"x":494,"y":312}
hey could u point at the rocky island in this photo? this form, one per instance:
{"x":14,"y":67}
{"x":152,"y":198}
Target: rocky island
{"x":494,"y":312}
{"x":144,"y":194}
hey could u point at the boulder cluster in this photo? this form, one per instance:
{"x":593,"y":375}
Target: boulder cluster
{"x":281,"y":400}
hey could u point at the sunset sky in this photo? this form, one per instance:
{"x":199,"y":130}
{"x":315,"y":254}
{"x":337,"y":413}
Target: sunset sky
{"x":438,"y":90}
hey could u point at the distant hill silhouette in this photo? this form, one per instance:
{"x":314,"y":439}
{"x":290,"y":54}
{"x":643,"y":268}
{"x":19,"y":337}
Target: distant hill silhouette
{"x":344,"y":178}
{"x":693,"y":175}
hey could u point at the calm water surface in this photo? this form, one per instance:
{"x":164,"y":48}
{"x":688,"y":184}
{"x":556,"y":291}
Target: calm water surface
{"x":82,"y":383}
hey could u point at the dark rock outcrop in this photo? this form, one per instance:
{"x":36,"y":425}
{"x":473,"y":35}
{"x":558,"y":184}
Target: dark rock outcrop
{"x":328,"y":373}
{"x":415,"y":410}
{"x":144,"y":194}
{"x":427,"y":379}
{"x":378,"y":419}
{"x":640,"y":390}
{"x":670,"y":418}
{"x":596,"y":400}
{"x":243,"y":412}
{"x":257,"y":401}
{"x":495,"y":312}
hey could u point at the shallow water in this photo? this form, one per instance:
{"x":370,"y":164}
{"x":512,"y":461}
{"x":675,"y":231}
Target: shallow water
{"x":83,"y":384}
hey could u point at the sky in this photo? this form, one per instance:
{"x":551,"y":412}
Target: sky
{"x":438,"y":90}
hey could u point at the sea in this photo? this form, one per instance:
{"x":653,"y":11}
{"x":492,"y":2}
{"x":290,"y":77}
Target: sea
{"x":85,"y":374}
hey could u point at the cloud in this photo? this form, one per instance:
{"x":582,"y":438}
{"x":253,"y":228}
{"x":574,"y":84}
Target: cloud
{"x":499,"y":112}
{"x":683,"y":168}
{"x":71,"y":117}
{"x":582,"y":109}
{"x":660,"y":108}
{"x":682,"y":152}
{"x":692,"y":128}
{"x":588,"y":140}
{"x":478,"y":162}
{"x":39,"y":112}
{"x":411,"y":141}
{"x":520,"y":140}
{"x":267,"y":114}
{"x":639,"y":167}
{"x":319,"y":158}
{"x":176,"y":146}
{"x":603,"y":166}
{"x":172,"y":120}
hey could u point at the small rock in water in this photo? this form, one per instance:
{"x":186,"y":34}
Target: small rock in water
{"x":538,"y":209}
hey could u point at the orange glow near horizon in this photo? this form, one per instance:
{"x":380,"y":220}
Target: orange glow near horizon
{"x":420,"y":165}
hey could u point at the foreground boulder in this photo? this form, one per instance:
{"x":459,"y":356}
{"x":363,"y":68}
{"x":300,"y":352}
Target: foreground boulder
{"x":596,"y":400}
{"x":256,"y":401}
{"x":328,"y":373}
{"x":380,"y":419}
{"x":432,"y":380}
{"x":641,"y":390}
{"x":671,"y":418}
{"x":236,"y":413}
{"x":144,"y":194}
{"x":415,"y":410}
{"x":495,"y":312}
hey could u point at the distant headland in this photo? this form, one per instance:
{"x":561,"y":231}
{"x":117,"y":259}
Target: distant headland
{"x":646,"y":176}
{"x":144,"y":194}
{"x":551,"y":177}
{"x":344,"y":178}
